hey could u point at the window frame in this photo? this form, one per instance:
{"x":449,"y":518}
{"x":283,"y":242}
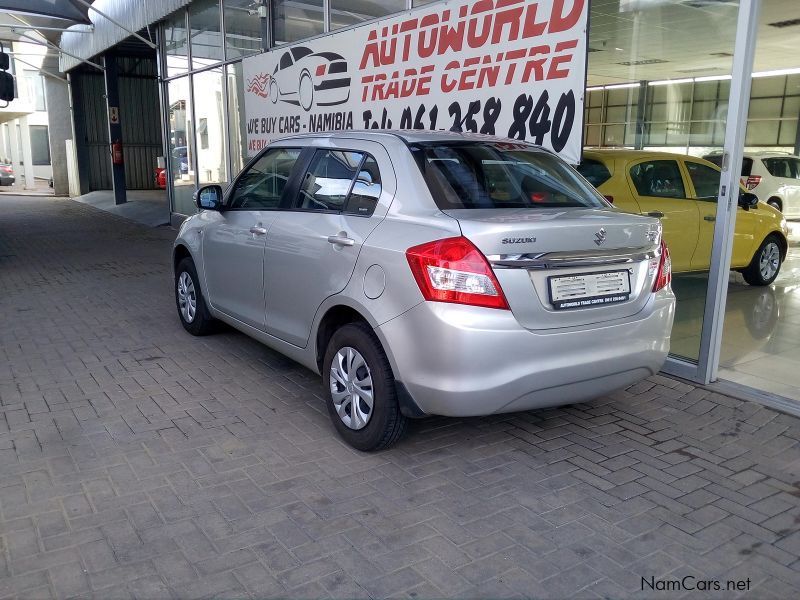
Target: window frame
{"x":367,"y":156}
{"x":635,"y":188}
{"x":293,"y":207}
{"x":587,"y":159}
{"x":300,"y":165}
{"x":712,"y":198}
{"x":36,"y":161}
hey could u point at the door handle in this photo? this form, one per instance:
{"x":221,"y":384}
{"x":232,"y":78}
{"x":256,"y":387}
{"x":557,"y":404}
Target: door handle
{"x":258,"y":230}
{"x":341,"y":240}
{"x":711,"y":218}
{"x":655,"y":213}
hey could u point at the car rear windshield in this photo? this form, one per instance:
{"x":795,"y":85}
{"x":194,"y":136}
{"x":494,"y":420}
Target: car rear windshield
{"x":594,"y":171}
{"x":786,"y":167}
{"x":500,"y":175}
{"x":747,"y":163}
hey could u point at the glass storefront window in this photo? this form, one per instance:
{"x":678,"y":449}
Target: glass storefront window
{"x":204,"y":25}
{"x":761,"y":332}
{"x":176,"y":44}
{"x":242,"y":28}
{"x":295,"y":20}
{"x":237,"y":124}
{"x":347,"y":12}
{"x":632,"y":55}
{"x":209,"y":125}
{"x":181,"y":146}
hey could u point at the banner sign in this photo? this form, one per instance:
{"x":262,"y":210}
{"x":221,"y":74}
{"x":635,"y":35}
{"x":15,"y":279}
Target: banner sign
{"x":511,"y":68}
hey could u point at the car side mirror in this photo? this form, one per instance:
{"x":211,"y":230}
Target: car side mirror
{"x":364,"y":177}
{"x":747,"y":200}
{"x":209,"y":197}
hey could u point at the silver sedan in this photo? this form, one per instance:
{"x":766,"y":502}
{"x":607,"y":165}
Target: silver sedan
{"x":426,"y":273}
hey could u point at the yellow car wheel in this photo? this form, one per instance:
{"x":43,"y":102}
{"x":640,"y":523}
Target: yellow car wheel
{"x":766,"y":263}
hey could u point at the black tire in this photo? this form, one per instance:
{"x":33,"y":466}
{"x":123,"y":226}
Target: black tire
{"x":753,"y":273}
{"x":385,"y":425}
{"x":273,"y":91}
{"x":305,"y":75}
{"x":202,"y":323}
{"x":775,"y":203}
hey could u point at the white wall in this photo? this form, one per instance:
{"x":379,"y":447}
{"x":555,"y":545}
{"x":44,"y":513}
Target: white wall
{"x":33,"y":57}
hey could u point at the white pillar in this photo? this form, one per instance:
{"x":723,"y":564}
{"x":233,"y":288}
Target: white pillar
{"x":4,"y":152}
{"x":15,"y":157}
{"x":27,"y":155}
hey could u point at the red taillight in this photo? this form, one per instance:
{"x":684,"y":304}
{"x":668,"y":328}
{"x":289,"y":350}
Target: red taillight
{"x":753,"y":181}
{"x":320,"y":70}
{"x":454,"y":270}
{"x":538,"y":197}
{"x":609,"y":198}
{"x":5,"y":169}
{"x":664,"y":266}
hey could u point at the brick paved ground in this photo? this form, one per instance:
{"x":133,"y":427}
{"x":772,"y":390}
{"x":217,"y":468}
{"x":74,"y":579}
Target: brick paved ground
{"x":137,"y":461}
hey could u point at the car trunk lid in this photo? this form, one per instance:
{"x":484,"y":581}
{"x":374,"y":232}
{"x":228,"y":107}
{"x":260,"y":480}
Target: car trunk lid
{"x":566,"y":267}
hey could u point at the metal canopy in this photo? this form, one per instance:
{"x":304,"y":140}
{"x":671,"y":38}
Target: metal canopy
{"x":69,"y":11}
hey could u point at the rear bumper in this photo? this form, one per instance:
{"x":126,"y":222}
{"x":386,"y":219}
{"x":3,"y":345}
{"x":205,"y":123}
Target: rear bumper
{"x":457,"y":360}
{"x":6,"y":180}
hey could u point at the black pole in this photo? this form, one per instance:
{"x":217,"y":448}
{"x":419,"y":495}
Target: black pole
{"x":114,"y":128}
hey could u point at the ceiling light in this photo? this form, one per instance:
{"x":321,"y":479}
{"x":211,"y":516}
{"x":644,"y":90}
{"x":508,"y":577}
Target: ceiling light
{"x":776,"y":72}
{"x":671,"y":81}
{"x":712,"y":78}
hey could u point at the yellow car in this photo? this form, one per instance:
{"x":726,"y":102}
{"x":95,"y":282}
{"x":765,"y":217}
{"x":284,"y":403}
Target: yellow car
{"x":682,"y":191}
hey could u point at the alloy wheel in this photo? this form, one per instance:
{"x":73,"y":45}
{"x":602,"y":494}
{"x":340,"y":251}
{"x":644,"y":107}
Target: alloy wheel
{"x":187,"y":297}
{"x":770,"y":261}
{"x":351,"y":388}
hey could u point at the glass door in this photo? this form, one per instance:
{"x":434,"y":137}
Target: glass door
{"x":664,"y":79}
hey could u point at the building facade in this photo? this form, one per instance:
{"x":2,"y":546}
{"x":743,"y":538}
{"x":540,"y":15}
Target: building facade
{"x":24,"y":125}
{"x":662,"y":75}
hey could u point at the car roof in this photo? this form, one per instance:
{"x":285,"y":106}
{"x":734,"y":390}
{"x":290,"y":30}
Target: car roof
{"x":409,"y":136}
{"x":770,"y":154}
{"x":626,"y":154}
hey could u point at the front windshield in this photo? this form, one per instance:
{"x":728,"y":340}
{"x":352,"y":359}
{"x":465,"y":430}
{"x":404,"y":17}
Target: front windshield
{"x":500,"y":175}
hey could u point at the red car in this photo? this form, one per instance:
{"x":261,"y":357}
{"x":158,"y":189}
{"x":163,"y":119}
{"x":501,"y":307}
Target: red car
{"x":161,"y":178}
{"x":6,"y":174}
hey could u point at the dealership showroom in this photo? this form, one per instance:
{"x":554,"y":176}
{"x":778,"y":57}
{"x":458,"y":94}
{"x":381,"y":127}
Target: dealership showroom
{"x":156,"y":444}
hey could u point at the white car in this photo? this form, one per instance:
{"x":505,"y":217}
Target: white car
{"x":772,"y":176}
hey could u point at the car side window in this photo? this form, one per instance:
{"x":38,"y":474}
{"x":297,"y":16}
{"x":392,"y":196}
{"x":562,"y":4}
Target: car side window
{"x":286,"y":60}
{"x":795,"y":167}
{"x":658,"y":178}
{"x":327,"y":183}
{"x":261,"y":186}
{"x":705,"y":180}
{"x":594,"y":171}
{"x":781,"y":167}
{"x":366,"y":190}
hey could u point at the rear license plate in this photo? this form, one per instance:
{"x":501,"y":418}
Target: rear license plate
{"x":589,"y":289}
